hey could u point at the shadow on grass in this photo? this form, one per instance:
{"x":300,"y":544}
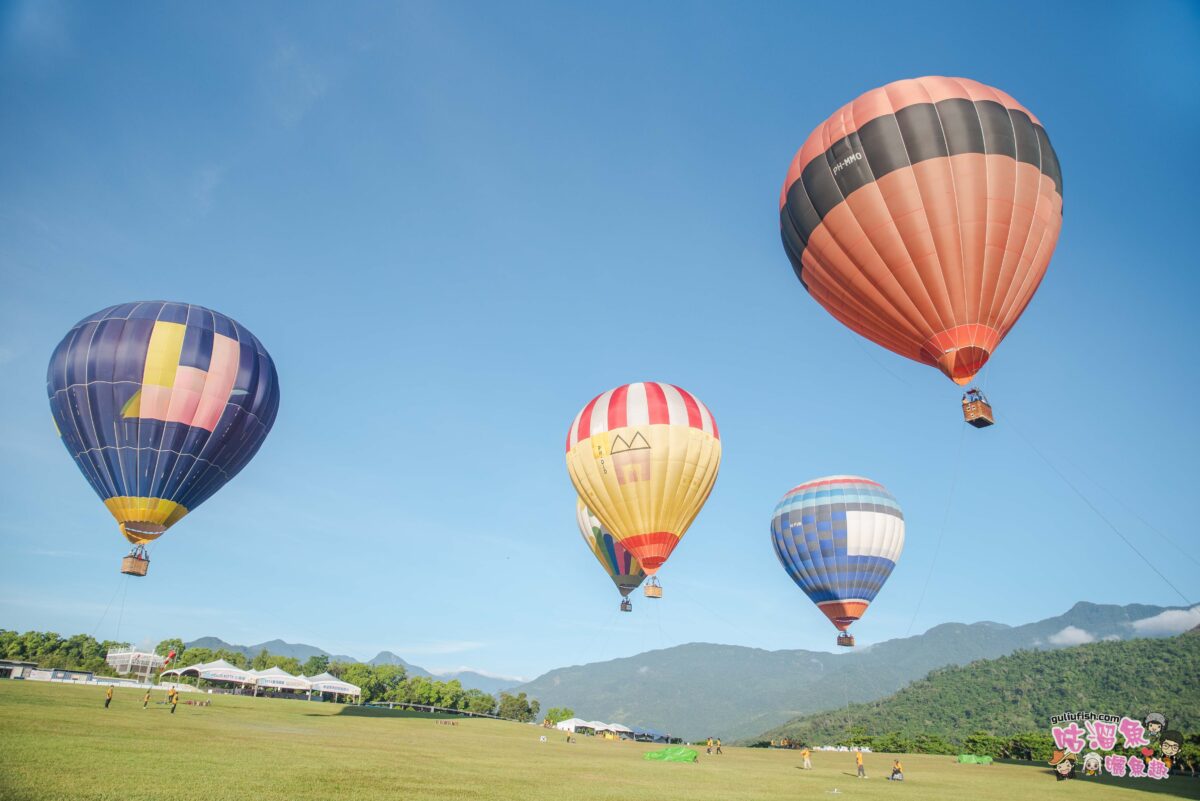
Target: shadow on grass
{"x":377,"y":712}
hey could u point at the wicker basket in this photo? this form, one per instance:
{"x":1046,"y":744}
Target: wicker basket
{"x":978,"y":413}
{"x":134,"y":566}
{"x":653,"y":591}
{"x":846,"y":640}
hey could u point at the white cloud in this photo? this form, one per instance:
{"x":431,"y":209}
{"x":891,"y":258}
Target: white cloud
{"x":293,"y":85}
{"x":1168,"y":623}
{"x":1071,"y":636}
{"x":205,"y":183}
{"x":440,"y":647}
{"x":468,"y":668}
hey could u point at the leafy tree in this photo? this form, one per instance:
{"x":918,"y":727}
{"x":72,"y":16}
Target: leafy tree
{"x":235,"y":658}
{"x":262,"y":661}
{"x":517,"y":707}
{"x":195,"y":656}
{"x":479,"y":702}
{"x":167,"y":646}
{"x":316,"y":665}
{"x":557,"y":714}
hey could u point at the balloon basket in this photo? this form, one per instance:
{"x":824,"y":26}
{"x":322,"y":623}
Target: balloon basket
{"x":845,"y":640}
{"x":652,"y":589}
{"x":626,"y":605}
{"x":136,"y":563}
{"x":976,"y":410}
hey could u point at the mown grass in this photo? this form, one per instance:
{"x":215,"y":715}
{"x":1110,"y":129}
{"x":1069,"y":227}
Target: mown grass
{"x":58,"y":743}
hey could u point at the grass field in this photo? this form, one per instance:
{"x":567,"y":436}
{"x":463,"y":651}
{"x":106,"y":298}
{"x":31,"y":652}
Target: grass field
{"x":57,"y":742}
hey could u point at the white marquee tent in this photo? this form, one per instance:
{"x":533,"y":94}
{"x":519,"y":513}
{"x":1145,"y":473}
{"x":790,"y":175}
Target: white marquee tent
{"x":219,"y":670}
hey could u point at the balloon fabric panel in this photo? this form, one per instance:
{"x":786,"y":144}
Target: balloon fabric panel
{"x":160,"y":404}
{"x":644,"y":458}
{"x":923,"y":216}
{"x":839,"y":539}
{"x":618,"y":563}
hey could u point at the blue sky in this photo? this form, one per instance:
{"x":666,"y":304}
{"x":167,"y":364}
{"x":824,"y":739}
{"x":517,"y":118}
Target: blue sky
{"x":453,"y":224}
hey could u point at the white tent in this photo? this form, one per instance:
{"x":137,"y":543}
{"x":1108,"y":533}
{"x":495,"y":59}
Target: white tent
{"x":573,"y":724}
{"x":219,"y":670}
{"x":328,"y":683}
{"x":595,"y":725}
{"x":279,"y":679}
{"x":619,"y":729}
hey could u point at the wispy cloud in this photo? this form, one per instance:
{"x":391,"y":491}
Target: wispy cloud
{"x":442,"y":671}
{"x":39,"y":25}
{"x":1168,"y":623}
{"x":205,"y":183}
{"x":293,"y":85}
{"x":1071,"y":635}
{"x":438,"y":647}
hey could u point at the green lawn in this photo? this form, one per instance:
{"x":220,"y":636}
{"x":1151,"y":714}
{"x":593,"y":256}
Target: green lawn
{"x":57,"y":742}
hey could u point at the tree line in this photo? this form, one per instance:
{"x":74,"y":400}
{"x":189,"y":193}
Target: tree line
{"x":379,"y":683}
{"x":1002,"y":707}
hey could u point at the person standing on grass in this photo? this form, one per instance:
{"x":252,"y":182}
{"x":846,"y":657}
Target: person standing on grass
{"x":146,"y":700}
{"x":174,"y":699}
{"x":718,"y":745}
{"x":108,"y":696}
{"x":709,"y":751}
{"x":804,"y":752}
{"x":858,"y":760}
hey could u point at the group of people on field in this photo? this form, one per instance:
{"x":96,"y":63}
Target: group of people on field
{"x":714,"y":742}
{"x":172,"y":698}
{"x":897,"y":774}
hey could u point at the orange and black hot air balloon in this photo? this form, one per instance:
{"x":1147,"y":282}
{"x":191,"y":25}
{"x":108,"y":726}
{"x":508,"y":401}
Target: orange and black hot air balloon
{"x":923,"y":216}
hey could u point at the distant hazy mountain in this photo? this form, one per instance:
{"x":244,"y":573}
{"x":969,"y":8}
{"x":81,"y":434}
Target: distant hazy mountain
{"x":725,"y":690}
{"x":278,"y":647}
{"x":388,"y":658}
{"x":468,"y":678}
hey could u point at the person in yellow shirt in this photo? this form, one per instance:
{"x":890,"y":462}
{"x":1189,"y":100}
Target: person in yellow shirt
{"x":146,"y":700}
{"x":897,"y":771}
{"x":709,"y":751}
{"x":858,"y":761}
{"x":806,"y":754}
{"x":108,"y":696}
{"x":718,"y":745}
{"x":174,"y":699}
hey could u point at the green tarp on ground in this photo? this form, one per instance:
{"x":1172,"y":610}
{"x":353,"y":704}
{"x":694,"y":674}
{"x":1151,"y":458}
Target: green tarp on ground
{"x":675,"y":753}
{"x":971,"y":759}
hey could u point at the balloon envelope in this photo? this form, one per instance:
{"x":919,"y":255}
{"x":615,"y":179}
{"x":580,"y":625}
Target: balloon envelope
{"x":617,"y":562}
{"x":644,"y":457}
{"x":160,"y":404}
{"x":839,"y":538}
{"x":923,"y":216}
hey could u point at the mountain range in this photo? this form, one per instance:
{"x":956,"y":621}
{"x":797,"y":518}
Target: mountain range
{"x":469,"y":679}
{"x":1020,"y":692}
{"x":701,"y":689}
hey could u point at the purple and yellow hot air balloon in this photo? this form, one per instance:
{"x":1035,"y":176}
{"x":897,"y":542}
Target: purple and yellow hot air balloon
{"x":839,"y":538}
{"x":617,"y":562}
{"x":160,"y":404}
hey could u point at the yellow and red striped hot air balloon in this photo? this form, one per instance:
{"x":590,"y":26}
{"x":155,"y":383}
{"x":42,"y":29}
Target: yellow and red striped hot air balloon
{"x":923,"y":215}
{"x":644,"y":458}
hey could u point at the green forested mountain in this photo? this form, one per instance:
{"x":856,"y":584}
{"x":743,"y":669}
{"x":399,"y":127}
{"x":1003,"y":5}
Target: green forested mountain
{"x":1020,"y":692}
{"x":702,"y":689}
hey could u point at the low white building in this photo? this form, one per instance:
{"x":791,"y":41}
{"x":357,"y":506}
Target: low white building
{"x":140,"y":664}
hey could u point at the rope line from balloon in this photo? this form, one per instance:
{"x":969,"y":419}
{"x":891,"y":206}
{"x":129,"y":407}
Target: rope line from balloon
{"x":942,"y":532}
{"x":1098,"y":513}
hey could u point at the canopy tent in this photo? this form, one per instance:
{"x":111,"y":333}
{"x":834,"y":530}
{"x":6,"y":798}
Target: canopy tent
{"x":328,"y":683}
{"x":574,"y":724}
{"x":220,"y":670}
{"x":648,"y":734}
{"x":619,"y":729}
{"x":279,"y":679}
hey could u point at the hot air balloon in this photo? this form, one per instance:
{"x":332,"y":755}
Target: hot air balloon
{"x":644,"y":457}
{"x":839,"y":538}
{"x":923,"y":216}
{"x":617,"y":562}
{"x":160,"y":404}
